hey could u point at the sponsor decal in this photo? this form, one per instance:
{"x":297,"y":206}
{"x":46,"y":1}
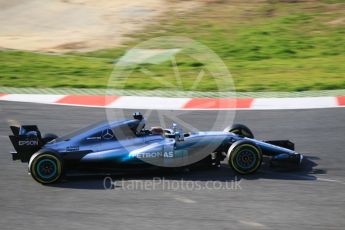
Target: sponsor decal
{"x":72,"y":148}
{"x":157,"y":154}
{"x":93,"y":138}
{"x":107,"y":134}
{"x":28,"y":143}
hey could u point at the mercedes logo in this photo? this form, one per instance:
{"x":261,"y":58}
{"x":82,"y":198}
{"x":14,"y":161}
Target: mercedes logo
{"x":107,"y":134}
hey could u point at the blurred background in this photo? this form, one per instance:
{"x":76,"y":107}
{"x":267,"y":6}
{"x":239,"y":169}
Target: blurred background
{"x":268,"y":45}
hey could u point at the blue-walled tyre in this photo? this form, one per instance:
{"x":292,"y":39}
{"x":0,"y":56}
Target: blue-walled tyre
{"x":244,"y":157}
{"x":46,"y":168}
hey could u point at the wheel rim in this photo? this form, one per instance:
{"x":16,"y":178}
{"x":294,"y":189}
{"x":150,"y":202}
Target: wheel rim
{"x":246,"y":159}
{"x":46,"y":169}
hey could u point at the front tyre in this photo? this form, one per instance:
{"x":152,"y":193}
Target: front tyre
{"x":46,"y":168}
{"x":244,"y":157}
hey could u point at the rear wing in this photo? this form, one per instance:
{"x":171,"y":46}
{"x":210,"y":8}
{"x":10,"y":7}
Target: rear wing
{"x":26,"y":140}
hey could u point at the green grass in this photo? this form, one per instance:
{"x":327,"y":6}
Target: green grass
{"x":275,"y":46}
{"x":25,"y":69}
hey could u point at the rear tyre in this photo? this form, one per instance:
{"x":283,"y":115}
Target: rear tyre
{"x":241,"y":130}
{"x":244,"y":157}
{"x":46,"y":168}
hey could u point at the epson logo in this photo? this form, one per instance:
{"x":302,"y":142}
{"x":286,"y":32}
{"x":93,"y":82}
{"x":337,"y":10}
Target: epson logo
{"x":30,"y":143}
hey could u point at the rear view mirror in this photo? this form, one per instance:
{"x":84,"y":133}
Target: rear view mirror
{"x":179,"y":136}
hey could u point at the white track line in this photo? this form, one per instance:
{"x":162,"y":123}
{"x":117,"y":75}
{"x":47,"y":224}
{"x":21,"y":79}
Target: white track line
{"x":329,"y":180}
{"x":252,"y":224}
{"x":185,"y":200}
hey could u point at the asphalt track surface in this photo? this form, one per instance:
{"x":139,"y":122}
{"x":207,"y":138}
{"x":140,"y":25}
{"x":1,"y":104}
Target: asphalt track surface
{"x":309,"y":198}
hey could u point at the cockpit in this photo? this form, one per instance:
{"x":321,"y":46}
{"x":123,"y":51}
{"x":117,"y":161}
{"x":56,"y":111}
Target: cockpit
{"x":174,"y":132}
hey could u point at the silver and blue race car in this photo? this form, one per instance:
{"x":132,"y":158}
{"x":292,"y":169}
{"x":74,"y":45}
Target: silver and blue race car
{"x":126,"y":145}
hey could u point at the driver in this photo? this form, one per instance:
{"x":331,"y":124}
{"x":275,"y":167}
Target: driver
{"x":157,"y":131}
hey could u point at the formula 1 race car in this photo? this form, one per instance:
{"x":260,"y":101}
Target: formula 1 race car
{"x":122,"y":145}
